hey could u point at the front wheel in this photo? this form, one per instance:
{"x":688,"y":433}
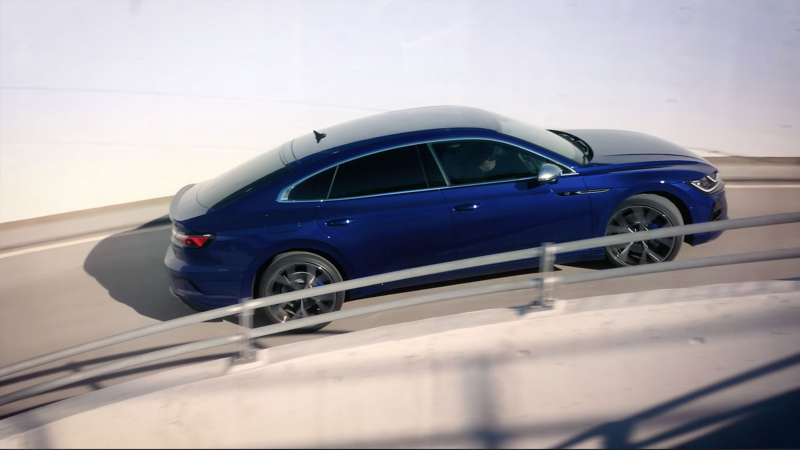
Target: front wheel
{"x":640,"y":213}
{"x":295,"y":271}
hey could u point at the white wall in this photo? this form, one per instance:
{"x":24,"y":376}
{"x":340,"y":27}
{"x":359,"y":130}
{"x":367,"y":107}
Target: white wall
{"x":105,"y":102}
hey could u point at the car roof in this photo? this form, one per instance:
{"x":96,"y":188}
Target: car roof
{"x":389,"y":124}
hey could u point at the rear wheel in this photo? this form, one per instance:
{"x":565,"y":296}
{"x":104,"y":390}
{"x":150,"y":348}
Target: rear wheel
{"x":640,"y":213}
{"x":295,"y":271}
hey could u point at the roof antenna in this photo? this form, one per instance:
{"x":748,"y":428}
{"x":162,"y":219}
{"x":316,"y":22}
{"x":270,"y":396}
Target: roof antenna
{"x":319,"y":136}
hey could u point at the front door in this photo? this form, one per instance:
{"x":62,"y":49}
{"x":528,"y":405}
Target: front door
{"x":497,"y":205}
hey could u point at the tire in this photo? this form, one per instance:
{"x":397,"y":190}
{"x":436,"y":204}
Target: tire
{"x":299,"y":270}
{"x":638,"y":213}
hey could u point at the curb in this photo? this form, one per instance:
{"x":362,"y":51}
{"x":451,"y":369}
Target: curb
{"x":84,"y":213}
{"x":135,"y":226}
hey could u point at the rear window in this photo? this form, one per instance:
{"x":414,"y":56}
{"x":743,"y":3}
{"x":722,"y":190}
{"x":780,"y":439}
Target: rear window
{"x":231,"y":185}
{"x":395,"y":170}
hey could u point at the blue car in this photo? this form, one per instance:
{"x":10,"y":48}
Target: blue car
{"x":423,"y":186}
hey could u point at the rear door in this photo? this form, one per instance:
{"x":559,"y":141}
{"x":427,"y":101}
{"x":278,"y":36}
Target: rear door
{"x":385,"y":213}
{"x":497,"y":205}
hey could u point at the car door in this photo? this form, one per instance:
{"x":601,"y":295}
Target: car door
{"x":496,"y":203}
{"x":385,"y":212}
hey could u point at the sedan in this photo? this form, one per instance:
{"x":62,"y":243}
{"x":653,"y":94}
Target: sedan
{"x":423,"y":186}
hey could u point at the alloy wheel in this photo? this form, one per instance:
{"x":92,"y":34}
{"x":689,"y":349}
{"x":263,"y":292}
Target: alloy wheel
{"x":640,"y":218}
{"x":301,"y":276}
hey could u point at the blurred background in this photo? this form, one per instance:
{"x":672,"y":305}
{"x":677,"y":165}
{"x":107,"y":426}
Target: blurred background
{"x":107,"y":102}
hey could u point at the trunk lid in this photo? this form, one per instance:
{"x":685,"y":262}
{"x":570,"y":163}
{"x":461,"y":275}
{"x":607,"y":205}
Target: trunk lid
{"x":184,"y":205}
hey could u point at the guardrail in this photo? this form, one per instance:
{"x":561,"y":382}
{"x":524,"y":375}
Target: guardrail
{"x":544,"y":285}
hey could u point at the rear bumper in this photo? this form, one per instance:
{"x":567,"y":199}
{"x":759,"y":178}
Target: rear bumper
{"x":185,"y":300}
{"x":202,"y":287}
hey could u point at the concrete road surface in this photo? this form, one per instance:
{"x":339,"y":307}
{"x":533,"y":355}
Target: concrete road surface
{"x":78,"y":292}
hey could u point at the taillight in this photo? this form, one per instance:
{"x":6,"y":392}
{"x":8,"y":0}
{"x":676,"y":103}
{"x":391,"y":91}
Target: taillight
{"x":182,"y":239}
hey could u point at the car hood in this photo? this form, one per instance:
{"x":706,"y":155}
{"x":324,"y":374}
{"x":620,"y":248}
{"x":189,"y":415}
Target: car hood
{"x":623,"y":147}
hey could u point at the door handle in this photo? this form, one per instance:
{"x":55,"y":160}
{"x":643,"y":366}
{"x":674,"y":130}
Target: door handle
{"x":339,"y":222}
{"x":467,"y":207}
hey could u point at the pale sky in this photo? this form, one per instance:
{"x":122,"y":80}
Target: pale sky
{"x":117,"y":101}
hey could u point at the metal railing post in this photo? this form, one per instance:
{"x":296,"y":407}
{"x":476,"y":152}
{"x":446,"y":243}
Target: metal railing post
{"x":544,"y":295}
{"x":246,"y":351}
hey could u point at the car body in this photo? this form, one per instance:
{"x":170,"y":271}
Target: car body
{"x":353,"y":195}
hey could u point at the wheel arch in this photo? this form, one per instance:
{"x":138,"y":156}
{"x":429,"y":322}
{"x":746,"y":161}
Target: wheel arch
{"x":686,"y":215}
{"x":316,"y":251}
{"x":604,"y":205}
{"x":665,"y":206}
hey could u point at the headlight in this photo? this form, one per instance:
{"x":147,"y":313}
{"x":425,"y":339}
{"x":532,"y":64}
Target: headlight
{"x":708,"y":183}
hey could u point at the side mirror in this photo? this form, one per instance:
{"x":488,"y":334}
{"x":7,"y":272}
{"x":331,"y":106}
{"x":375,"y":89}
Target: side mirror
{"x":549,"y":173}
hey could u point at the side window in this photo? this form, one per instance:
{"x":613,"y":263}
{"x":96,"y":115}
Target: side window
{"x":380,"y":173}
{"x":432,"y":172}
{"x":480,"y":161}
{"x":314,"y":188}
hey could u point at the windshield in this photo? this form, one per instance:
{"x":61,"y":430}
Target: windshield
{"x":538,"y":136}
{"x":218,"y":192}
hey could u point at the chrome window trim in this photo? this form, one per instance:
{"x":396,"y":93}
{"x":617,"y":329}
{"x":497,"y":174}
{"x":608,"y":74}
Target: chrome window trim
{"x":283,"y":196}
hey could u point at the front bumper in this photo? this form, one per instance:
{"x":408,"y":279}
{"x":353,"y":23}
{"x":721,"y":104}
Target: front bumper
{"x":717,"y":209}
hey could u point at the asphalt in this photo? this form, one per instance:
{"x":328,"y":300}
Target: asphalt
{"x":57,"y":293}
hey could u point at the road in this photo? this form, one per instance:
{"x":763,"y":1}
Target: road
{"x":89,"y":289}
